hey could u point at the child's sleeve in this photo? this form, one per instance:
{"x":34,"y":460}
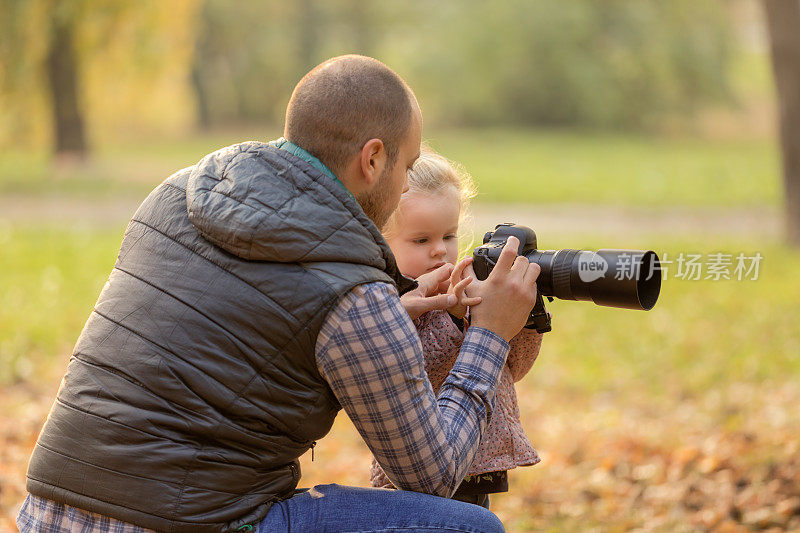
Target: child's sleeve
{"x":441,"y":339}
{"x":524,"y":350}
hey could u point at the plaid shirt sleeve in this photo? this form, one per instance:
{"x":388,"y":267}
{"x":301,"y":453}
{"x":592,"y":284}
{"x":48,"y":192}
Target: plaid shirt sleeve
{"x":41,"y":514}
{"x":369,"y":353}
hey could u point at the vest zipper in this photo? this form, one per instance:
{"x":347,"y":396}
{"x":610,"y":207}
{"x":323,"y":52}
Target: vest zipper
{"x":312,"y":450}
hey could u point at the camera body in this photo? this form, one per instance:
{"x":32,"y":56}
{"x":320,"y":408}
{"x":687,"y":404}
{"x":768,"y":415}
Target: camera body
{"x":628,"y":279}
{"x":486,"y":255}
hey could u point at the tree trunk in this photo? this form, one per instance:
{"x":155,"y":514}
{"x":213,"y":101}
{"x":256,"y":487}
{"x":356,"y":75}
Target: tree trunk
{"x":62,"y":73}
{"x":308,"y":35}
{"x":783,"y":21}
{"x":201,"y":98}
{"x":203,"y":53}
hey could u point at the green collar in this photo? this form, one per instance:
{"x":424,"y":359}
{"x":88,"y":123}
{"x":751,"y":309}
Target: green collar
{"x":289,"y":146}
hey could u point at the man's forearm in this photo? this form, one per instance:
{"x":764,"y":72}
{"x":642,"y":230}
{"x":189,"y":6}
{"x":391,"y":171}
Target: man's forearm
{"x":370,"y":354}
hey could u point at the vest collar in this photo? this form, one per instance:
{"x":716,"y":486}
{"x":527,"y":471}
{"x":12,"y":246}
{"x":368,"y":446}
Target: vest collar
{"x":289,"y":146}
{"x":404,"y":284}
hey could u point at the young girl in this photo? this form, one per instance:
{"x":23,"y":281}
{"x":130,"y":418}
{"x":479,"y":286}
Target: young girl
{"x":423,"y":234}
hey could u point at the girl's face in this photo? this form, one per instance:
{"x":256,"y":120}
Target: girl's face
{"x":425,"y":233}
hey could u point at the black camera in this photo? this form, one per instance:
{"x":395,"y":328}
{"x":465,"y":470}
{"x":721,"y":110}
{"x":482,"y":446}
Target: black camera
{"x":628,"y":279}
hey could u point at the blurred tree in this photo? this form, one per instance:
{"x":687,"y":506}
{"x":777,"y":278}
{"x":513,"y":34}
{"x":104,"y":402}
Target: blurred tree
{"x":62,"y":71}
{"x":203,"y":48}
{"x":613,"y":64}
{"x":39,"y":41}
{"x":783,"y":21}
{"x":67,"y":66}
{"x":616,"y":64}
{"x":245,"y":60}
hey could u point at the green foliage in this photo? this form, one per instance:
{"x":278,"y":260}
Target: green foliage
{"x":248,"y":59}
{"x":242,"y":68}
{"x":154,"y":67}
{"x":616,"y":64}
{"x":601,"y":64}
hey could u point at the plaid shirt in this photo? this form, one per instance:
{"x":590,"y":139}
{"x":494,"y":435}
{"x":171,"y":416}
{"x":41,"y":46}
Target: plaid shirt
{"x":41,"y":515}
{"x":369,"y":353}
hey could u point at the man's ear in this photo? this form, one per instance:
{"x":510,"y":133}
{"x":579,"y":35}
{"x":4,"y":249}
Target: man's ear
{"x":373,"y":161}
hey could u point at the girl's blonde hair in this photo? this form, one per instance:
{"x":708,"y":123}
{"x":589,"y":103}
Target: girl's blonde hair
{"x":433,"y":173}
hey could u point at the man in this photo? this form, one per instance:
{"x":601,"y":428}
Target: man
{"x":252,"y":298}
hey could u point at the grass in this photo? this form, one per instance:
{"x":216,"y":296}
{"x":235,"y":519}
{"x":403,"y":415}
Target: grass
{"x":744,"y":330}
{"x":700,"y":334}
{"x":50,"y":280}
{"x":508,"y":165}
{"x":554,"y":167}
{"x":668,"y":420}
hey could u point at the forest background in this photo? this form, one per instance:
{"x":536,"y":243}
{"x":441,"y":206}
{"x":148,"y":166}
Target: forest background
{"x":618,"y":124}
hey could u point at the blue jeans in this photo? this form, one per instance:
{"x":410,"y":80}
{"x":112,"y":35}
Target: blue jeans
{"x":356,"y":509}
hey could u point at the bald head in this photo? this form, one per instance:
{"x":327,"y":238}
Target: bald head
{"x":343,"y":103}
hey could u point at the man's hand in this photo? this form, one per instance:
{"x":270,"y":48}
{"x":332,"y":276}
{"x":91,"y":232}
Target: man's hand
{"x":509,"y":293}
{"x":425,"y":298}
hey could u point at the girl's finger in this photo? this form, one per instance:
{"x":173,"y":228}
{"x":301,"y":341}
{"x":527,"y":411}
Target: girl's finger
{"x":458,"y":270}
{"x":430,"y":281}
{"x":469,"y":302}
{"x":459,"y":287}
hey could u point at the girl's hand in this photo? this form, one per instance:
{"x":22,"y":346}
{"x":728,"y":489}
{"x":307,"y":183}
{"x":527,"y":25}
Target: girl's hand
{"x":458,"y":284}
{"x":426,"y":296}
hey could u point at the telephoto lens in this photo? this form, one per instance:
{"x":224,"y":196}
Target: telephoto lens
{"x":627,"y":279}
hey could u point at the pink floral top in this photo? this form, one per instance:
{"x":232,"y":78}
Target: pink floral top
{"x":504,"y":444}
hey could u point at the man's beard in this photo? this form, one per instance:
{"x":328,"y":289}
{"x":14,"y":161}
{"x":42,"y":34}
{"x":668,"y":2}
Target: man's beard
{"x":375,"y":203}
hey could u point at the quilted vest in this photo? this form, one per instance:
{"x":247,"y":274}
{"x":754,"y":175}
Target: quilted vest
{"x":193,"y":387}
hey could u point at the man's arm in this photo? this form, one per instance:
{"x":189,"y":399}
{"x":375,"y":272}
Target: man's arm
{"x":369,"y":353}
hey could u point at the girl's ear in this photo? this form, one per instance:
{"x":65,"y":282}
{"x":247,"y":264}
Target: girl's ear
{"x":373,"y":162}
